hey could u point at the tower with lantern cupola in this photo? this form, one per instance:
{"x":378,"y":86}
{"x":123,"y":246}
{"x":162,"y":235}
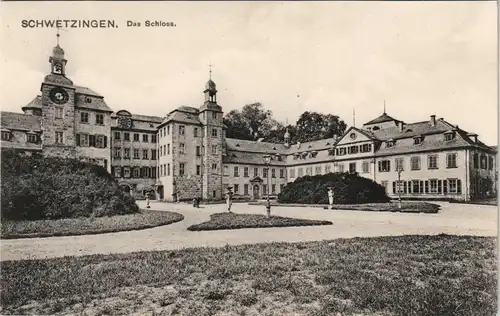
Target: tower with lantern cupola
{"x":211,"y":117}
{"x":58,"y":111}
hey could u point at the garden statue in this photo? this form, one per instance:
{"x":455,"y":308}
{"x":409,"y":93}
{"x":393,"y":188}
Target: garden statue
{"x":330,"y":197}
{"x":147,"y":200}
{"x":229,"y":198}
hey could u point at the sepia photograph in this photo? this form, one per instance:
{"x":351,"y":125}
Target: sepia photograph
{"x":238,"y":158}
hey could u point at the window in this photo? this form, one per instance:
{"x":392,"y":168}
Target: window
{"x":168,"y":149}
{"x":309,"y":171}
{"x":153,"y":154}
{"x":181,"y":148}
{"x":195,"y":132}
{"x":384,"y":184}
{"x":366,"y":148}
{"x":118,"y":153}
{"x":214,"y":132}
{"x":101,"y":141}
{"x":236,"y":188}
{"x":415,"y":163}
{"x":454,"y":186}
{"x":390,"y":144}
{"x":245,"y":172}
{"x":432,"y":162}
{"x":118,"y":172}
{"x":226,"y":170}
{"x":214,"y":194}
{"x":153,"y":172}
{"x":214,"y":115}
{"x":366,"y":167}
{"x":126,"y":137}
{"x":167,"y":129}
{"x":328,"y":168}
{"x":137,"y":172}
{"x":145,"y":138}
{"x":84,"y":140}
{"x":144,"y":154}
{"x":236,"y":172}
{"x":136,"y":153}
{"x":317,"y":170}
{"x":59,"y":138}
{"x":490,"y":163}
{"x":126,"y":172}
{"x":451,"y":160}
{"x":214,"y":167}
{"x":214,"y":149}
{"x":161,"y":134}
{"x":301,"y":172}
{"x":153,"y":138}
{"x":198,"y":151}
{"x":84,"y":117}
{"x":416,"y":188}
{"x":126,"y":153}
{"x":282,"y":173}
{"x":161,"y":170}
{"x":168,"y":169}
{"x":32,"y":138}
{"x":433,"y":186}
{"x":292,"y":173}
{"x":117,"y":135}
{"x":245,"y":189}
{"x":255,"y":172}
{"x":352,"y":149}
{"x":136,"y":137}
{"x":198,"y":170}
{"x":340,"y":151}
{"x":484,"y":162}
{"x":99,"y":119}
{"x":182,"y":129}
{"x":384,"y":166}
{"x":449,"y":136}
{"x":265,"y":172}
{"x":352,"y":167}
{"x":273,"y":188}
{"x":273,"y":173}
{"x":264,"y":189}
{"x":59,"y":113}
{"x":282,"y":186}
{"x":181,"y":169}
{"x":399,"y":164}
{"x":475,"y":161}
{"x":417,"y":141}
{"x":340,"y":167}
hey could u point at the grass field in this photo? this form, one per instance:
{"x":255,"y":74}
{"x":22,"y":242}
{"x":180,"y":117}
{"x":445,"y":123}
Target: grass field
{"x":237,"y":221}
{"x":87,"y":225}
{"x":398,"y":276}
{"x":406,"y":207}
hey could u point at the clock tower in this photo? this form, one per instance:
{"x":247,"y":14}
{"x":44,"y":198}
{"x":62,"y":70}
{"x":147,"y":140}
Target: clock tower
{"x":58,"y":110}
{"x":211,"y":116}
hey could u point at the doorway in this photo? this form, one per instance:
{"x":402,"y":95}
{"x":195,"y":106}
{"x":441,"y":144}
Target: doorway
{"x":256,"y":191}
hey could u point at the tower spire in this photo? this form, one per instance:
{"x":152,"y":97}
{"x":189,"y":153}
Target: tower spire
{"x":210,"y":70}
{"x":384,"y":107}
{"x":354,"y":117}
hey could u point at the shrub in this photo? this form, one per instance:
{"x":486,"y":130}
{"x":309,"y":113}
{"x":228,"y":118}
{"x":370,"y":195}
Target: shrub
{"x":35,"y":187}
{"x":348,"y":188}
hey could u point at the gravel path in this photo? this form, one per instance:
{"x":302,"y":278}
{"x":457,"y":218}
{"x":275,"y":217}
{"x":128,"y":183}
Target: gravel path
{"x":457,"y":219}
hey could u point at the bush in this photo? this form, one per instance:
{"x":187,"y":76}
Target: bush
{"x":35,"y":188}
{"x":347,"y":188}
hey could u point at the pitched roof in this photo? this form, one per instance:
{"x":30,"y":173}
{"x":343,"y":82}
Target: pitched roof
{"x":254,"y":146}
{"x":35,"y":103}
{"x":97,"y":103}
{"x":18,"y":121}
{"x":183,"y":115}
{"x":85,"y":90}
{"x":411,"y":130}
{"x":381,"y":119}
{"x":242,"y":157}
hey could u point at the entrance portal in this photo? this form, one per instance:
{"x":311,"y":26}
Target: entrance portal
{"x":256,"y":191}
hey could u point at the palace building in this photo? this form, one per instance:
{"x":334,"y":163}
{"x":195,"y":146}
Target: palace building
{"x":186,"y":154}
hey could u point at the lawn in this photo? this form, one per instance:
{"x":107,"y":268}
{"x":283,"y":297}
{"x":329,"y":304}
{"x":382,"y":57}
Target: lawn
{"x":238,"y":221}
{"x":87,"y":225}
{"x":406,"y":207}
{"x":397,"y":276}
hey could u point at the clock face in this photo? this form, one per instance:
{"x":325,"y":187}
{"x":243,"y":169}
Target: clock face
{"x":59,"y":96}
{"x":125,"y":122}
{"x":353,"y":135}
{"x":57,"y":68}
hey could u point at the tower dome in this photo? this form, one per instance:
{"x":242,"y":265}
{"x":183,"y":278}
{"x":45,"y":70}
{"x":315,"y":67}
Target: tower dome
{"x":210,"y":85}
{"x":58,"y":52}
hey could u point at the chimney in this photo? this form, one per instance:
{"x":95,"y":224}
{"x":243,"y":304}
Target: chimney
{"x":298,"y":145}
{"x":433,"y":120}
{"x":401,"y":126}
{"x":334,"y":138}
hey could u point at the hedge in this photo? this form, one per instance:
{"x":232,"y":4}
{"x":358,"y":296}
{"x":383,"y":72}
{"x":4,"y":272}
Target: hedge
{"x":348,"y":188}
{"x":36,"y":188}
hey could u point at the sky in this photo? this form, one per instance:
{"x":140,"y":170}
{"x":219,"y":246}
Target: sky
{"x":331,"y":57}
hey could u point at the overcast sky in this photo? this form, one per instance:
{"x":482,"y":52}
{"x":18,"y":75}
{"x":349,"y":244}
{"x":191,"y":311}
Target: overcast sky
{"x":331,"y":57}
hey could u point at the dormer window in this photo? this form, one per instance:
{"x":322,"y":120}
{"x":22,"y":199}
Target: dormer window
{"x":450,"y":135}
{"x":32,"y":137}
{"x":237,"y":145}
{"x":6,"y":134}
{"x":331,"y":152}
{"x":375,"y":128}
{"x":417,"y":140}
{"x":390,"y":143}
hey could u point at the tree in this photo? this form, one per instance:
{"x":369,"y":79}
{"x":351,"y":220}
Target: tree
{"x":252,"y":122}
{"x":314,"y":126}
{"x":237,"y":126}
